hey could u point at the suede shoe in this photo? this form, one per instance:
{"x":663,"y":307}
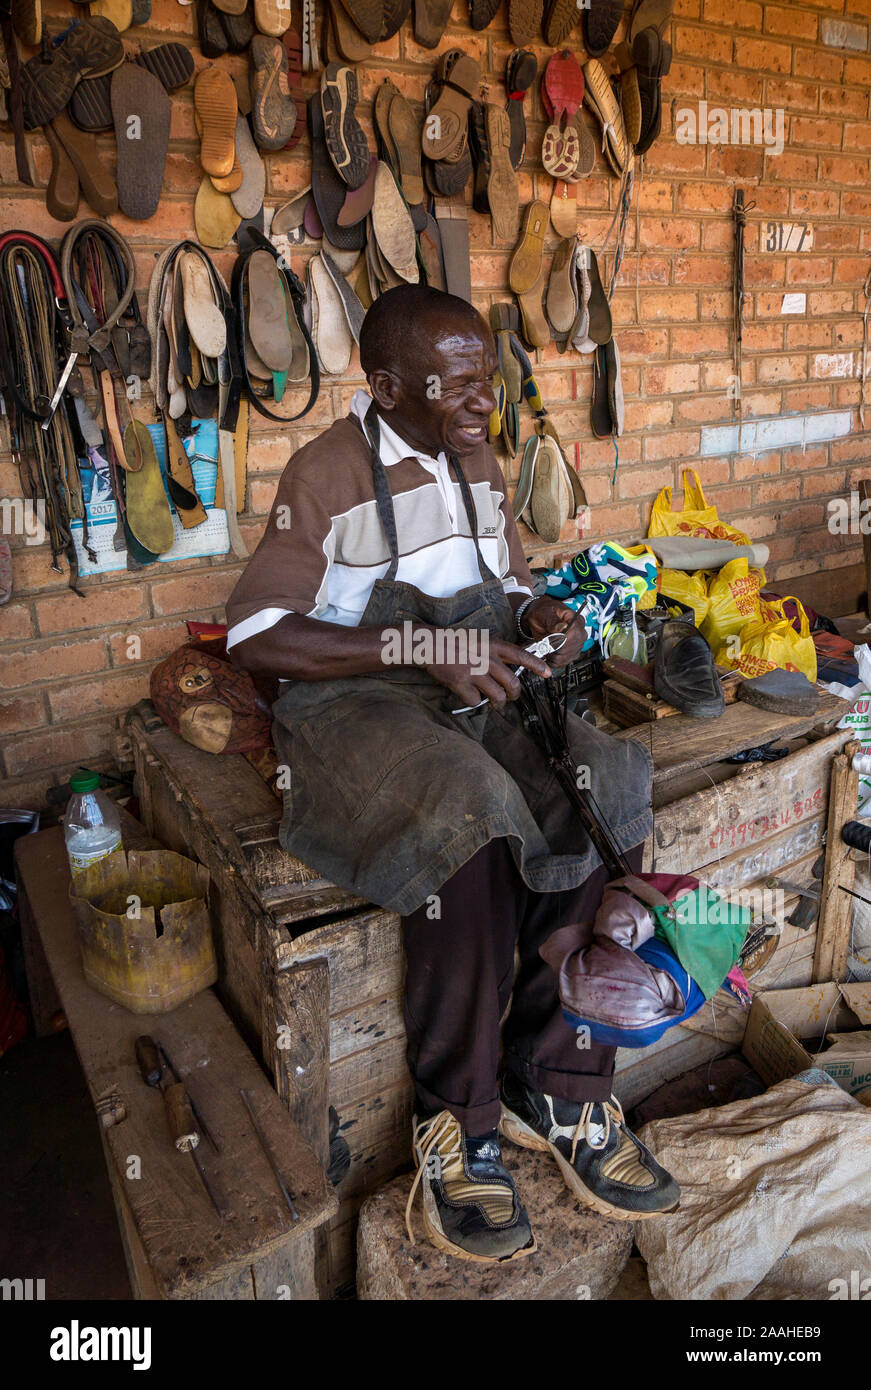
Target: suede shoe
{"x":604,"y":1165}
{"x":470,"y":1204}
{"x":684,"y":673}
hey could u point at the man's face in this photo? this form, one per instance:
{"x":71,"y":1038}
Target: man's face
{"x":444,"y":399}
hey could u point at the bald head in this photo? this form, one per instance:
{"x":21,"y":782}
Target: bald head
{"x":405,"y":324}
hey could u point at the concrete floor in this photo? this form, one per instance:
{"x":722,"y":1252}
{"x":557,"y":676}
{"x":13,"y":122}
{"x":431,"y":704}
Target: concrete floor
{"x":57,"y":1219}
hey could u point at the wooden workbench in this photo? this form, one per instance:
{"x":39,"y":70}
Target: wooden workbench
{"x":294,"y":949}
{"x":177,"y":1246}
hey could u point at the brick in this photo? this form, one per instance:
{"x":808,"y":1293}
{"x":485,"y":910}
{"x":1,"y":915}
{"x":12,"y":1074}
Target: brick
{"x":760,"y":55}
{"x":843,"y":100}
{"x":155,"y":642}
{"x":844,"y":33}
{"x":803,"y":269}
{"x":857,"y":72}
{"x":822,"y":132}
{"x":643,"y":482}
{"x":109,"y":694}
{"x":673,"y":380}
{"x":704,"y":340}
{"x":791,"y":23}
{"x":818,"y":64}
{"x":664,"y":306}
{"x":69,"y":613}
{"x":678,"y":444}
{"x":21,"y":712}
{"x":792,"y":95}
{"x":16,"y":623}
{"x":807,"y":333}
{"x":703,"y":43}
{"x":49,"y":662}
{"x":702,"y":270}
{"x":52,"y":747}
{"x":194,"y":593}
{"x":733,"y":14}
{"x":844,"y":169}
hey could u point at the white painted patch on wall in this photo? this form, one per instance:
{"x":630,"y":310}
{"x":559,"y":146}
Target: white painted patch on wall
{"x":794,"y":304}
{"x":778,"y":432}
{"x":833,"y":364}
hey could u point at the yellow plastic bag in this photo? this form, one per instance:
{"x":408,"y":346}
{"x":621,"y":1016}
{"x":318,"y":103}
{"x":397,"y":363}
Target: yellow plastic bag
{"x":770,"y":642}
{"x":734,"y":602}
{"x":691,"y":589}
{"x":695,"y":519}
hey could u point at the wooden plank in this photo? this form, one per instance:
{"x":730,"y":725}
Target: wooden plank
{"x":864,"y":485}
{"x":367,"y":1024}
{"x":364,"y":953}
{"x":836,"y":907}
{"x":354,"y":1078}
{"x":680,"y":744}
{"x":297,"y":1027}
{"x":639,"y":1074}
{"x":835,"y":593}
{"x":761,"y":801}
{"x":777,"y":855}
{"x":188,"y":1246}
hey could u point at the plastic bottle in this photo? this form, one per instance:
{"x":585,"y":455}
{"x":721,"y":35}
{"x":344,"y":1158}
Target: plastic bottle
{"x":92,"y":826}
{"x":625,"y":639}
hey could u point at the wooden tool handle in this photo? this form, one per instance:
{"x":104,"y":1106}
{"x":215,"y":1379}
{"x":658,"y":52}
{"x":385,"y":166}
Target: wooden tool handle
{"x":180,"y":1117}
{"x":148,"y":1060}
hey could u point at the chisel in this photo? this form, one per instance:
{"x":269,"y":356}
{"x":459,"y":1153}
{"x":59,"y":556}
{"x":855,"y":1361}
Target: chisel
{"x":179,"y":1114}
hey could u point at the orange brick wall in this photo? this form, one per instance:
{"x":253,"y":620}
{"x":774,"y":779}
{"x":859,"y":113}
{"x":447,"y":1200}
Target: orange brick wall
{"x":65,"y":680}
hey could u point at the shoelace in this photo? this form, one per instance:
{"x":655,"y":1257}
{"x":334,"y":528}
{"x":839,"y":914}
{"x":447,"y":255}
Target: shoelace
{"x":430,"y":1132}
{"x":583,"y":1129}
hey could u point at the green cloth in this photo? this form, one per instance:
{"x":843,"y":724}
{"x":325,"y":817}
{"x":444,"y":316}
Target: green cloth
{"x":706,"y":932}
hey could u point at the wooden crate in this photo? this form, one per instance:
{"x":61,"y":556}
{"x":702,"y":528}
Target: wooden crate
{"x":314,"y":975}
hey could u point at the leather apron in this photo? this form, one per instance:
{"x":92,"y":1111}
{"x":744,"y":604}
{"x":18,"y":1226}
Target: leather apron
{"x":390,"y":793}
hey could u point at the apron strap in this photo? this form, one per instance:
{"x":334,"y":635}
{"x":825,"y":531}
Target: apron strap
{"x":384,"y":499}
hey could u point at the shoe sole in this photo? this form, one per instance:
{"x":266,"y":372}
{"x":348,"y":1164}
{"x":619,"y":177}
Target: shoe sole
{"x":437,"y":1237}
{"x":525,"y":1137}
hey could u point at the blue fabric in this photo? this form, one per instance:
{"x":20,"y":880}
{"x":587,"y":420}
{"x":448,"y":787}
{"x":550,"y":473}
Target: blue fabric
{"x":661,"y":957}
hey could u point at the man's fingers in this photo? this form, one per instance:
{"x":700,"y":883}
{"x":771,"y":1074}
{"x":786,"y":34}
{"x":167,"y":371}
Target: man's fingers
{"x":513,"y":655}
{"x":489,"y":688}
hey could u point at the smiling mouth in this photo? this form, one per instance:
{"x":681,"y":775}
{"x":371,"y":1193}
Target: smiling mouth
{"x":474,"y":431}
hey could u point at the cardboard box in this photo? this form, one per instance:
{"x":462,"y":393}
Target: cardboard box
{"x":790,"y":1030}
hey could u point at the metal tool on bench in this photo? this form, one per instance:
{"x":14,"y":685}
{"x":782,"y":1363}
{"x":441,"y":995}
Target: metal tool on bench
{"x":179,"y":1114}
{"x":204,"y":1128}
{"x":255,"y":1125}
{"x":545,"y":646}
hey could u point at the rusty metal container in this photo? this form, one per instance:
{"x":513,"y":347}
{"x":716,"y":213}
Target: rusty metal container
{"x":144,"y":928}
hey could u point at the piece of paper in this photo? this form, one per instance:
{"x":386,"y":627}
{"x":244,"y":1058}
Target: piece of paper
{"x":794,"y":304}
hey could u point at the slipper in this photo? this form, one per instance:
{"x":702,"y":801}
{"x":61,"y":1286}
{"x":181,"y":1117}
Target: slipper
{"x":503,"y":195}
{"x":445,"y":125}
{"x":293,"y":48}
{"x":368,"y":16}
{"x":559,"y":21}
{"x":453,"y":224}
{"x":586,"y":150}
{"x":215,"y":218}
{"x":616,"y":402}
{"x":430,"y":21}
{"x":290,"y":215}
{"x":524,"y":20}
{"x":118,"y":12}
{"x":350,"y":44}
{"x":358,"y":201}
{"x":599,"y":96}
{"x":238,"y":28}
{"x":328,"y":190}
{"x":601,"y":326}
{"x":27,"y":21}
{"x":180,"y":479}
{"x":62,"y":193}
{"x":147,"y":505}
{"x":429,"y":246}
{"x":601,"y":421}
{"x":482,"y":12}
{"x":345,"y":138}
{"x":273,"y":110}
{"x":334,"y":342}
{"x":535,"y":329}
{"x":91,"y":104}
{"x":395,"y":14}
{"x":393,"y":227}
{"x":141,"y":112}
{"x":247,"y":197}
{"x":205,"y":321}
{"x":562,"y":298}
{"x":564,"y":208}
{"x":550,"y":500}
{"x":384,"y":98}
{"x":525,"y":268}
{"x":404,"y":131}
{"x":601,"y":22}
{"x":210,"y":31}
{"x":216,"y":108}
{"x":520,"y":73}
{"x":579,"y":333}
{"x":652,"y":61}
{"x":479,"y":148}
{"x":351,"y":306}
{"x":98,"y":187}
{"x":272,"y":17}
{"x":267,"y":314}
{"x":650,"y":14}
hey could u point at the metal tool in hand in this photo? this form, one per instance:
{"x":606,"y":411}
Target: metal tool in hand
{"x":545,"y":646}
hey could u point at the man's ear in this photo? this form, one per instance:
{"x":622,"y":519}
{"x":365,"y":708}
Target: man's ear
{"x":383,"y":386}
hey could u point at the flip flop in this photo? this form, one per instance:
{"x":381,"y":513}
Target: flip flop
{"x":273,"y":110}
{"x":62,"y":193}
{"x":216,"y":108}
{"x":562,"y":300}
{"x":239,"y":29}
{"x":430,"y":21}
{"x":328,"y":190}
{"x":564,"y":209}
{"x":550,"y":500}
{"x":350,"y":44}
{"x":445,"y":125}
{"x":334,"y":342}
{"x":559,"y":21}
{"x":535,"y":329}
{"x":205,"y":321}
{"x":525,"y":269}
{"x":345,"y":138}
{"x":601,"y":22}
{"x":290,"y":215}
{"x":358,"y":201}
{"x":147,"y":505}
{"x":368,"y":16}
{"x":520,"y":73}
{"x":210,"y":31}
{"x":351,"y":306}
{"x":524,"y":20}
{"x":502,"y":192}
{"x":293,"y":48}
{"x":267,"y":314}
{"x":272,"y":17}
{"x":601,"y":326}
{"x":91,"y":104}
{"x":247,"y":199}
{"x":601,"y":421}
{"x":141,"y":112}
{"x":404,"y":130}
{"x":215,"y":218}
{"x":393,"y":227}
{"x":98,"y":187}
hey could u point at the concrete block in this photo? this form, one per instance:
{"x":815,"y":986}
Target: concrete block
{"x":580,"y":1254}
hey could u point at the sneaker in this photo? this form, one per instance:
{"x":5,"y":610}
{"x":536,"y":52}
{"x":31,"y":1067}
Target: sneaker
{"x":470,"y":1204}
{"x":602,"y":1162}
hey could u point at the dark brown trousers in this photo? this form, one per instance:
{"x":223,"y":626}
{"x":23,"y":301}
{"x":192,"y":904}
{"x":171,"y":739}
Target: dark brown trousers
{"x":460,"y":976}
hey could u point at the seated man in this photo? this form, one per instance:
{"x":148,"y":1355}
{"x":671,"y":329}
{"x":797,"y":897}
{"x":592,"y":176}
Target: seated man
{"x":391,"y":533}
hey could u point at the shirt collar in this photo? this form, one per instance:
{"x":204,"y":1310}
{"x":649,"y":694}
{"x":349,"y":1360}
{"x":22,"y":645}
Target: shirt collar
{"x":393,"y":449}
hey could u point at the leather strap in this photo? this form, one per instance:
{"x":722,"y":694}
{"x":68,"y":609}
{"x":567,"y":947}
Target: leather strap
{"x":296,"y":291}
{"x":16,"y":107}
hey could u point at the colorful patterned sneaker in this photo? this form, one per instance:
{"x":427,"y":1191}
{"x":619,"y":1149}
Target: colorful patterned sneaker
{"x":470,"y":1204}
{"x":602,"y":1162}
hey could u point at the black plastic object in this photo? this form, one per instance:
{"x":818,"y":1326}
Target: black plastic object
{"x":857,"y":835}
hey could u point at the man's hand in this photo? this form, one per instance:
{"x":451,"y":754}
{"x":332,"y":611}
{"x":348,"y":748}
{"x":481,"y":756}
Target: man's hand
{"x":498,"y":682}
{"x":548,"y":615}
